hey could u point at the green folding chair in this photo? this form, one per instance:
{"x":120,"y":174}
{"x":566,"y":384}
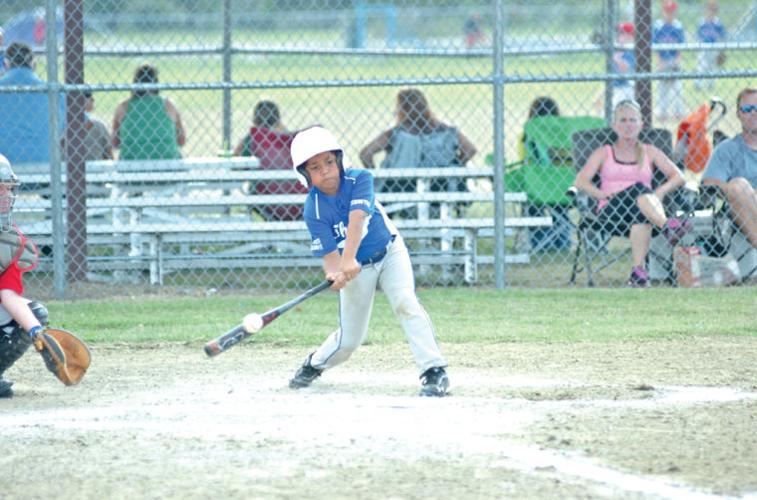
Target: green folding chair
{"x":548,"y":169}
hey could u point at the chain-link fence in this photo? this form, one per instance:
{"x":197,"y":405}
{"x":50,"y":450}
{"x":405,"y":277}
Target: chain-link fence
{"x":153,"y":150}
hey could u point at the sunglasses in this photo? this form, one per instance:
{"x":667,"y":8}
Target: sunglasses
{"x":748,"y":108}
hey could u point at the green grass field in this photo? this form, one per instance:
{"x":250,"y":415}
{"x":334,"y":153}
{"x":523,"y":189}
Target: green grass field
{"x":460,"y":316}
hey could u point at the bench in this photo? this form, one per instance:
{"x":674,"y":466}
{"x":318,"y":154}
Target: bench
{"x":259,"y":244}
{"x":161,"y":222}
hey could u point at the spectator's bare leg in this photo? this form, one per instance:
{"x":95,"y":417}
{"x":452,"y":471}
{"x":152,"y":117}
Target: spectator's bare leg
{"x":651,"y":206}
{"x":743,"y":201}
{"x":641,"y":235}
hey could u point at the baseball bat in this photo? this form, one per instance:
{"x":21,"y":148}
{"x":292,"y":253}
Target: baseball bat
{"x":239,"y":333}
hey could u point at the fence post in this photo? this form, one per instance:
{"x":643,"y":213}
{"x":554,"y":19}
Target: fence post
{"x":76,"y":190}
{"x":643,"y":55}
{"x":610,"y":29}
{"x":56,"y":195}
{"x":499,"y":146}
{"x":226,"y":75}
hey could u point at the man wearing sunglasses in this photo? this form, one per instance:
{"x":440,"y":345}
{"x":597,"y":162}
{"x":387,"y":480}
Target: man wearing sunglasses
{"x":733,"y":167}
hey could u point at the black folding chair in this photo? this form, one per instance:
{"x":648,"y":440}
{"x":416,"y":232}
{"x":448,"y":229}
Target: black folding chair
{"x":592,"y":233}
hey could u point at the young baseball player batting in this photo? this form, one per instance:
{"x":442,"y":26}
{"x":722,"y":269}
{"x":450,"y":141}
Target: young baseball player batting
{"x":361,"y":249}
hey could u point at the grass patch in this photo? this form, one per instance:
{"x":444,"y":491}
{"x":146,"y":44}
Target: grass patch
{"x":459,"y":315}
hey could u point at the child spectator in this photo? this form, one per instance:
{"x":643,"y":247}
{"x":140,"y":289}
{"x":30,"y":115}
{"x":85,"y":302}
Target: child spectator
{"x":624,"y":61}
{"x":710,"y":30}
{"x":669,"y":30}
{"x":473,"y":33}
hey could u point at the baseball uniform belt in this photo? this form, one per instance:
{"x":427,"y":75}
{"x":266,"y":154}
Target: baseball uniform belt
{"x":379,"y":255}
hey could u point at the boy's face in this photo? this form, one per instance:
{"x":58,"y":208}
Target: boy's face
{"x":323,"y":170}
{"x":711,"y":10}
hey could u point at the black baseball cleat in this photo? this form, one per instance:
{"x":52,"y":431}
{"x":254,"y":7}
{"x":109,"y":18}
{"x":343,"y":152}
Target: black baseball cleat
{"x":434,"y":382}
{"x":5,"y":389}
{"x":305,"y":375}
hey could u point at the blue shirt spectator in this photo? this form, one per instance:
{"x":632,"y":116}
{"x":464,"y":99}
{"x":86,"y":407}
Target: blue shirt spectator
{"x":25,"y":130}
{"x":711,"y":31}
{"x":668,"y":32}
{"x":627,"y":57}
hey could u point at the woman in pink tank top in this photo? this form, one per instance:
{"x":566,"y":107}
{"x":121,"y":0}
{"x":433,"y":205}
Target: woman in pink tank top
{"x":626,"y":201}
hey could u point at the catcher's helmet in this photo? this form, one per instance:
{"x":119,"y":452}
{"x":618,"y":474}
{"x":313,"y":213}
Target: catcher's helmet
{"x":310,"y":142}
{"x":8,"y":191}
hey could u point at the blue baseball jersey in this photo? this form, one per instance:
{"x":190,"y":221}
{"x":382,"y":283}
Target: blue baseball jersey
{"x":628,"y":57}
{"x":668,"y":33}
{"x":711,"y":31}
{"x":327,"y":216}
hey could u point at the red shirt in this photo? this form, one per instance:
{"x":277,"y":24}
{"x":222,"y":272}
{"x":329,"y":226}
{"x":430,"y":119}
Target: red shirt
{"x":11,"y":279}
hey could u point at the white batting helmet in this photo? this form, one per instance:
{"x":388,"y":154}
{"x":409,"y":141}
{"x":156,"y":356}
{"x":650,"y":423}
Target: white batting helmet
{"x":310,"y":142}
{"x":8,"y":198}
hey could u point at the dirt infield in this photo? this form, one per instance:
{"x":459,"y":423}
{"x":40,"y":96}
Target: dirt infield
{"x":658,"y":419}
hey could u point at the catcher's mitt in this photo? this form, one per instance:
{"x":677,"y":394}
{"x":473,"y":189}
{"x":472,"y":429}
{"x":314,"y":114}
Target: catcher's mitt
{"x":64,"y":354}
{"x":720,"y":59}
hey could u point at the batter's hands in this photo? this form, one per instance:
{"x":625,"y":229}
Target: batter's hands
{"x":348,"y":269}
{"x":337,"y":280}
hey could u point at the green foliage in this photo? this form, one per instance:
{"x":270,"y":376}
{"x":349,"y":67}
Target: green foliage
{"x":459,"y":315}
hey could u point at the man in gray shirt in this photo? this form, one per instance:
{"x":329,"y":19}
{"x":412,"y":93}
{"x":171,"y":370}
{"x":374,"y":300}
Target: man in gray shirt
{"x":733,"y":167}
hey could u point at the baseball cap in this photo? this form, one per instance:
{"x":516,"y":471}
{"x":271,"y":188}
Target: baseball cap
{"x":627,"y":28}
{"x":670,"y":6}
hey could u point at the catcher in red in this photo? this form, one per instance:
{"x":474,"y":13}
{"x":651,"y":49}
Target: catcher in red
{"x":24,"y":322}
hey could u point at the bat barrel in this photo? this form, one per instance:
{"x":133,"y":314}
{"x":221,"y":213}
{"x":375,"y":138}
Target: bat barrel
{"x":212,"y":348}
{"x":238,"y":333}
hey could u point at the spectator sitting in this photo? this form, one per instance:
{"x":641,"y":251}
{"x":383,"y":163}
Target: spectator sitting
{"x":25,"y":132}
{"x":627,"y":204}
{"x":419,"y":140}
{"x":146,"y":126}
{"x":556,"y":237}
{"x":97,"y":145}
{"x":97,"y":141}
{"x":733,"y":167}
{"x":270,"y":142}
